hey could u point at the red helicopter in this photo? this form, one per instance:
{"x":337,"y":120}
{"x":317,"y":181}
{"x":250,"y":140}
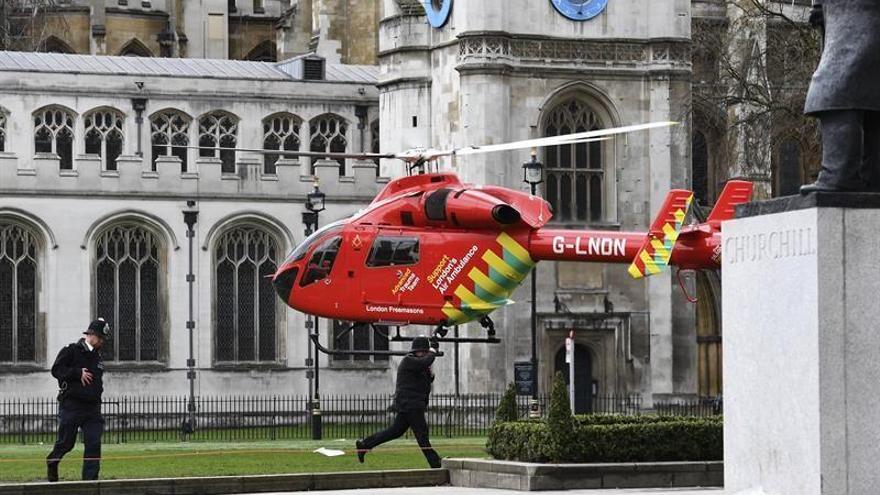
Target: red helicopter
{"x":431,"y":250}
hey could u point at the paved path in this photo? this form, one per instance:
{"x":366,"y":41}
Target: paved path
{"x":454,"y":490}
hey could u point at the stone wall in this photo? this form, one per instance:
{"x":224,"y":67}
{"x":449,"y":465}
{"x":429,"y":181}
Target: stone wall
{"x":246,"y":33}
{"x":123,"y":27}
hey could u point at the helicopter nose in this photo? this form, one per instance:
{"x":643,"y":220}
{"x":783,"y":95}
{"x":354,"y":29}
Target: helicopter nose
{"x":283,"y":283}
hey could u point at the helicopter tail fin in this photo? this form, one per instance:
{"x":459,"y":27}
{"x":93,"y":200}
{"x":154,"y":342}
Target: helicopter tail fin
{"x":653,"y":257}
{"x":735,"y":192}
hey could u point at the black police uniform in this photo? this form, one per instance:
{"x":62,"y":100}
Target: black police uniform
{"x":80,"y":406}
{"x":414,"y":380}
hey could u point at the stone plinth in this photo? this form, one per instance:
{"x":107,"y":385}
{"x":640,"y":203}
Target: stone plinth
{"x":801,"y":279}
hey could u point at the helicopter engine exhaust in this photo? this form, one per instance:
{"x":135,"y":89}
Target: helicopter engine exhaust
{"x":468,"y":208}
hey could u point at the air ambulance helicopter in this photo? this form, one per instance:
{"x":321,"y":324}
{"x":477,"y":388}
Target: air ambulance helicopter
{"x":431,"y":250}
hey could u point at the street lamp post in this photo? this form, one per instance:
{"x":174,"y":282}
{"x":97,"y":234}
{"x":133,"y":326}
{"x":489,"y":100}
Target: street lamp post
{"x":533,"y":175}
{"x":190,"y":217}
{"x":314,"y":205}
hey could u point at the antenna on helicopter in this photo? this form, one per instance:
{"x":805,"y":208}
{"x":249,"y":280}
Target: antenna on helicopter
{"x":417,"y":166}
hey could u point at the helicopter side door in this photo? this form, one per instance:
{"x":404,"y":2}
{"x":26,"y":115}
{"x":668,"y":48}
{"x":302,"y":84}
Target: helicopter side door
{"x":389,"y":274}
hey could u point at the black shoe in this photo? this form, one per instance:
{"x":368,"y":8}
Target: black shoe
{"x":814,"y":187}
{"x":52,"y":471}
{"x":361,"y":450}
{"x":817,"y":187}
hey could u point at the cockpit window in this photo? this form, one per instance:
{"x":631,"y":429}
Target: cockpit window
{"x":321,"y":262}
{"x":300,"y":251}
{"x":394,"y":251}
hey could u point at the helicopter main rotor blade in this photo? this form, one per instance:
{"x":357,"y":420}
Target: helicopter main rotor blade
{"x":330,"y":155}
{"x":423,"y":155}
{"x":552,"y":140}
{"x":557,"y":141}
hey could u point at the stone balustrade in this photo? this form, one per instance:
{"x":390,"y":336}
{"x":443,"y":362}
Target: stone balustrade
{"x":135,"y":176}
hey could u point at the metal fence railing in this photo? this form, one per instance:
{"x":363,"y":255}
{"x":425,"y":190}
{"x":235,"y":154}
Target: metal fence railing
{"x":245,"y":418}
{"x":701,"y":408}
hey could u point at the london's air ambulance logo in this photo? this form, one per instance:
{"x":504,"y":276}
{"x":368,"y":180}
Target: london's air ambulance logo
{"x":491,"y":289}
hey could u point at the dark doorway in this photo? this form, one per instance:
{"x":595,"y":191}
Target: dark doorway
{"x":583,"y":377}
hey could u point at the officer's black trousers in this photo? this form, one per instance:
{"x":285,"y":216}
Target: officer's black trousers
{"x":70,"y":419}
{"x":403,"y":421}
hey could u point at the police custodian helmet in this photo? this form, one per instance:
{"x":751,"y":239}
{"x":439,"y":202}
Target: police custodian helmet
{"x":100,"y":328}
{"x":420,"y":343}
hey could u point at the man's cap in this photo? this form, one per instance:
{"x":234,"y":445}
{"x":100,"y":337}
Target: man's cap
{"x":100,"y":328}
{"x":421,"y":343}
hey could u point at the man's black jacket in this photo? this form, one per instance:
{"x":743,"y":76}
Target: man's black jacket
{"x":414,"y":380}
{"x":68,"y":370}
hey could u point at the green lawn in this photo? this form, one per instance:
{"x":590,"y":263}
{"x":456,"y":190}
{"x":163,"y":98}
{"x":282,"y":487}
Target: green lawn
{"x":161,"y":460}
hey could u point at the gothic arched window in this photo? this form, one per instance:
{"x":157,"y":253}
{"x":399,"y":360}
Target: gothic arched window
{"x":328,"y":133}
{"x":170,"y":127}
{"x":53,"y":133}
{"x":245,"y":304}
{"x":219,"y":130}
{"x":280,"y":132}
{"x":575,"y":172}
{"x":789,"y":171}
{"x":700,"y":167}
{"x":19,"y":270}
{"x":103,"y":129}
{"x":135,"y":48}
{"x":53,"y":44}
{"x":128,"y":291}
{"x":2,"y":130}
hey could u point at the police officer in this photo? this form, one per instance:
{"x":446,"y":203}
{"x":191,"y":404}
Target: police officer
{"x":79,"y":370}
{"x":414,"y":378}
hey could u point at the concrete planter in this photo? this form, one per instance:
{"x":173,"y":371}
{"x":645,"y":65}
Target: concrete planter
{"x":479,"y":473}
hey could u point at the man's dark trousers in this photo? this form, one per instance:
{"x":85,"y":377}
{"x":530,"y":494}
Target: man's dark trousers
{"x":72,"y":417}
{"x":850,"y":149}
{"x":406,"y":419}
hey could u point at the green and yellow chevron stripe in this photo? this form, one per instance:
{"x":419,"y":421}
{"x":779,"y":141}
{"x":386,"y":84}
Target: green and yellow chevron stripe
{"x":654,"y":256}
{"x":491,"y":290}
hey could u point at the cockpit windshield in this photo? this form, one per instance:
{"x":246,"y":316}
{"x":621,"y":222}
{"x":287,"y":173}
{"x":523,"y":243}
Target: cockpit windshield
{"x":300,"y":251}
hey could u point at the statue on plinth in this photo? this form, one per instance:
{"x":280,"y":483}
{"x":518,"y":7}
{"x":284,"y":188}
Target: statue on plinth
{"x":844,"y":95}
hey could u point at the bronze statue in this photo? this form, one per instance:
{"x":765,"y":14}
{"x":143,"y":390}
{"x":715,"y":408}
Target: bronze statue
{"x":845,"y":95}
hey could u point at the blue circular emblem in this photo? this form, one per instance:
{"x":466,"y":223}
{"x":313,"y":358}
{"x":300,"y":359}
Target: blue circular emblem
{"x":580,"y":10}
{"x":437,"y":11}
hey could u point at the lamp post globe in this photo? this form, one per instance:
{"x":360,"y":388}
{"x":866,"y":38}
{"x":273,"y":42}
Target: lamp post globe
{"x":315,"y":199}
{"x":533,"y":171}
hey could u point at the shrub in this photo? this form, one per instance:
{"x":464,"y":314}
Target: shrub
{"x":507,"y":410}
{"x":560,"y":421}
{"x":608,"y":438}
{"x":616,"y":419}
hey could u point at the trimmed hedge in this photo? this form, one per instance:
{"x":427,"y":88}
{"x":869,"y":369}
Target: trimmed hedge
{"x":507,"y":410}
{"x":608,"y":438}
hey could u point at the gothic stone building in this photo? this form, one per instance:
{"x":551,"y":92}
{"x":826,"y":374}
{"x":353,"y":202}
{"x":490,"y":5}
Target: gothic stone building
{"x":91,"y":202}
{"x":263,"y":30}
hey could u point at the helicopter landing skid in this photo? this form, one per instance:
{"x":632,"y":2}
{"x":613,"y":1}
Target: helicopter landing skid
{"x":439,"y":335}
{"x":340,"y":352}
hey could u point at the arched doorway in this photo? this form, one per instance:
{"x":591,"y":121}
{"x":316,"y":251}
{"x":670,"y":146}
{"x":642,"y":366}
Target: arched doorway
{"x":583,"y":377}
